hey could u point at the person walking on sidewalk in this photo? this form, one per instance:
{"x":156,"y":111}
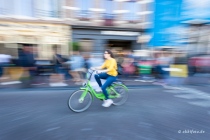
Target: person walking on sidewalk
{"x":128,"y":64}
{"x":57,"y":78}
{"x":5,"y":60}
{"x":77,"y":63}
{"x":108,"y":72}
{"x":28,"y":63}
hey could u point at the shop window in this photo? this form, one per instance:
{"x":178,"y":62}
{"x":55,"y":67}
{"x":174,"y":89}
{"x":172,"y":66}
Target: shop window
{"x":11,"y":49}
{"x":86,"y":45}
{"x":1,"y":48}
{"x":45,"y":51}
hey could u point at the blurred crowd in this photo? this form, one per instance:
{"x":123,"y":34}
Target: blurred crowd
{"x":160,"y":67}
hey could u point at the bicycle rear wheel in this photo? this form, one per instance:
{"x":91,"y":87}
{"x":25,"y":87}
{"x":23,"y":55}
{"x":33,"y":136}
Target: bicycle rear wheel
{"x":75,"y":102}
{"x":122,"y":95}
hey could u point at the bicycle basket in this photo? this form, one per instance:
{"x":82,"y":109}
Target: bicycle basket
{"x":89,"y":74}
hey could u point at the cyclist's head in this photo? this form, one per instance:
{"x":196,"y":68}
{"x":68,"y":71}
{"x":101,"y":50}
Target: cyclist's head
{"x":108,"y":54}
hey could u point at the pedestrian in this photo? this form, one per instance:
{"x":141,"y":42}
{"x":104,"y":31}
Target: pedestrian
{"x":5,"y":60}
{"x":77,"y":64}
{"x":128,"y":64}
{"x":28,"y":63}
{"x":57,"y":78}
{"x":163,"y":64}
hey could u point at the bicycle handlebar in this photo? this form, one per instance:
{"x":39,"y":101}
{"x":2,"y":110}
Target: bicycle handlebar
{"x":94,"y":71}
{"x":91,"y":73}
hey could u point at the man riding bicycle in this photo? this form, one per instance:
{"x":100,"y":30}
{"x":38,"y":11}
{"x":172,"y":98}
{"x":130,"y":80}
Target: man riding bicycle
{"x":109,"y":72}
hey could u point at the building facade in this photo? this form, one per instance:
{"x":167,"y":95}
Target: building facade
{"x":37,"y":22}
{"x":99,"y":24}
{"x":96,"y":24}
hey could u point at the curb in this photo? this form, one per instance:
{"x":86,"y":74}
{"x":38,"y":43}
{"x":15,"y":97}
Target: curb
{"x":72,"y":88}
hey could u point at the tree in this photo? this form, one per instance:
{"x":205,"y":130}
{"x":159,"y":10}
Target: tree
{"x":75,"y":46}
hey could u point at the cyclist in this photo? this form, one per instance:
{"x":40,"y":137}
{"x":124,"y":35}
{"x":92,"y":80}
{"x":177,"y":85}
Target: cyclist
{"x":109,"y":72}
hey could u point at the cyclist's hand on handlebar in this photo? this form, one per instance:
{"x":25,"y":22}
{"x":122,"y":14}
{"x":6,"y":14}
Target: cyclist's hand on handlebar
{"x":92,"y":68}
{"x":100,"y":71}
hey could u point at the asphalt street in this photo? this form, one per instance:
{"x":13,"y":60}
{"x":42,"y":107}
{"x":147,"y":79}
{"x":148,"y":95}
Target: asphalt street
{"x":151,"y":113}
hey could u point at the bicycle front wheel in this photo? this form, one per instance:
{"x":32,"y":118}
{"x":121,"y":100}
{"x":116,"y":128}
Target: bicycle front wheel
{"x":122,"y":96}
{"x":78,"y":104}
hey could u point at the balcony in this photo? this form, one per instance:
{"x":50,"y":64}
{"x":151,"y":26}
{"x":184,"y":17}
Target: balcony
{"x":48,"y":14}
{"x":108,"y":19}
{"x":37,"y":14}
{"x":84,"y":15}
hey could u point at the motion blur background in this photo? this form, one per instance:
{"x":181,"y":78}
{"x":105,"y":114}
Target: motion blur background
{"x":162,"y":48}
{"x":54,"y":42}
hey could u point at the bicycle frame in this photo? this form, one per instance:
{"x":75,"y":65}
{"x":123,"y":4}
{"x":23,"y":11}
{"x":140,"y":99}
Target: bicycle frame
{"x":88,"y":88}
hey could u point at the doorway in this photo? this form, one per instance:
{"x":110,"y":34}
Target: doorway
{"x":120,"y":44}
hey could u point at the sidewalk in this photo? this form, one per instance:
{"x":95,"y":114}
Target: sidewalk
{"x":130,"y":82}
{"x":44,"y":83}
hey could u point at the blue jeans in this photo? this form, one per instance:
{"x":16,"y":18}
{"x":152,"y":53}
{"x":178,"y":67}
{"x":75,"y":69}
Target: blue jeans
{"x":109,"y":80}
{"x":57,"y":68}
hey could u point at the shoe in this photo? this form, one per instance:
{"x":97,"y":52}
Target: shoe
{"x":107,"y":103}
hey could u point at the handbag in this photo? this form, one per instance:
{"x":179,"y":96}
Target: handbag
{"x":119,"y":70}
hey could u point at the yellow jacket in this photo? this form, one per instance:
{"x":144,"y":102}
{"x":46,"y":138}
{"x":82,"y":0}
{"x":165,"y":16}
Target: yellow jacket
{"x":111,"y":66}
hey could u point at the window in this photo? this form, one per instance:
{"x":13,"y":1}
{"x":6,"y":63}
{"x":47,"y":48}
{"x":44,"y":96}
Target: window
{"x":48,"y":8}
{"x":3,"y":7}
{"x":23,"y":8}
{"x":86,"y":44}
{"x":149,"y":10}
{"x":6,"y":7}
{"x":109,"y":7}
{"x":17,"y":8}
{"x":84,"y":6}
{"x":132,"y":8}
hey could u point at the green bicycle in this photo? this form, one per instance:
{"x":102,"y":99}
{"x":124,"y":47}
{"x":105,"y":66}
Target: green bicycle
{"x":81,"y":99}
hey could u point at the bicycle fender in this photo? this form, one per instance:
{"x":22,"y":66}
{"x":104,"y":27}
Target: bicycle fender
{"x":122,"y":86}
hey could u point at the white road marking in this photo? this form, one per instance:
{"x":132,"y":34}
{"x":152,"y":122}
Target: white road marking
{"x":172,"y":91}
{"x":192,"y":94}
{"x":51,"y":129}
{"x":11,"y":83}
{"x":201,"y":103}
{"x":20,"y":118}
{"x":86,"y":129}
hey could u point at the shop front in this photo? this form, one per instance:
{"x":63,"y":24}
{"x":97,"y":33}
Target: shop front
{"x":97,"y":39}
{"x":42,"y":36}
